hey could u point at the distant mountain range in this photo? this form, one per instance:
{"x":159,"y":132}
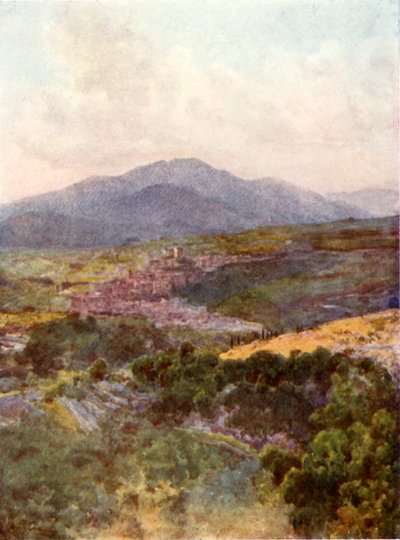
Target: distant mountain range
{"x":164,"y":199}
{"x":377,"y":202}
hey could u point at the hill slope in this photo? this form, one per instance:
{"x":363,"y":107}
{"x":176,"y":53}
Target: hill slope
{"x":374,"y":336}
{"x":47,"y":229}
{"x":157,"y":210}
{"x":175,"y":211}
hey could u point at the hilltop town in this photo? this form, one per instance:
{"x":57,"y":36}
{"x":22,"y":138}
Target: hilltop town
{"x":151,"y":292}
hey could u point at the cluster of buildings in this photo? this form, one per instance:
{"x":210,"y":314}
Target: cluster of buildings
{"x":164,"y":274}
{"x":138,"y":290}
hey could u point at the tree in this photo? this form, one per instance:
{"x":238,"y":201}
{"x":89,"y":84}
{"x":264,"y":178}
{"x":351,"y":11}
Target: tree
{"x":279,"y":461}
{"x":350,"y":472}
{"x":99,"y":369}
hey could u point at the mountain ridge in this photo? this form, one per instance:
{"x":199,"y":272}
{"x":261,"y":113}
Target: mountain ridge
{"x":198,"y":199}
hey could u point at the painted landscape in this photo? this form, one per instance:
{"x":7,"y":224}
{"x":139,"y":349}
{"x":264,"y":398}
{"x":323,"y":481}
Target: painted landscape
{"x":220,"y":385}
{"x":199,"y":270}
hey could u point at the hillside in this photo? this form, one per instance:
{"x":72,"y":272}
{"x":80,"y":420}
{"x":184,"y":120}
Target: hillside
{"x":159,"y":210}
{"x":295,"y":205}
{"x":309,"y":274}
{"x":176,"y":198}
{"x":180,"y":432}
{"x":279,"y":277}
{"x":34,"y":230}
{"x":374,"y":336}
{"x":175,"y":211}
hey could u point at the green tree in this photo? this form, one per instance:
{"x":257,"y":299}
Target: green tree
{"x":279,"y":462}
{"x":99,"y":369}
{"x":350,"y":472}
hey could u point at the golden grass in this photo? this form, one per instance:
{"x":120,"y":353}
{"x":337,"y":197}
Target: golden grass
{"x":25,"y":320}
{"x":219,"y":521}
{"x":61,"y":414}
{"x":64,"y":376}
{"x":375,"y":335}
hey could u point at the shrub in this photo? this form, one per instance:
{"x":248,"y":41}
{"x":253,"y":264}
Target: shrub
{"x":279,"y":461}
{"x":99,"y":369}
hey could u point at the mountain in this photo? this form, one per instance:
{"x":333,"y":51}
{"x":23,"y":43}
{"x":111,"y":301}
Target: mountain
{"x":170,"y":210}
{"x":299,"y":205}
{"x":377,"y":202}
{"x":262,"y":202}
{"x":175,"y":198}
{"x":141,"y":216}
{"x":47,"y":230}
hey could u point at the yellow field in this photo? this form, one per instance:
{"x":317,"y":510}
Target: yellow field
{"x":24,"y":321}
{"x":376,"y":336}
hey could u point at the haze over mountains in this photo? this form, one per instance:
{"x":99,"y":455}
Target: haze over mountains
{"x":377,"y":202}
{"x":164,"y":199}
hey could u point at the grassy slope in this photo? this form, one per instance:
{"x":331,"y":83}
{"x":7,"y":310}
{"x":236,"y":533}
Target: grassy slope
{"x":375,"y":336}
{"x":340,"y":235}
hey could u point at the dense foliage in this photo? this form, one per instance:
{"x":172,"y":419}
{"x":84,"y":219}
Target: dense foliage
{"x":312,"y":437}
{"x":58,"y":484}
{"x":349,"y":477}
{"x":343,"y":474}
{"x":76,"y":341}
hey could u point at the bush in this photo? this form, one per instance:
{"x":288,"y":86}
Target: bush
{"x":99,"y":369}
{"x":266,"y":367}
{"x":43,"y":494}
{"x":186,"y":350}
{"x":279,"y":461}
{"x":79,"y":341}
{"x":54,"y":391}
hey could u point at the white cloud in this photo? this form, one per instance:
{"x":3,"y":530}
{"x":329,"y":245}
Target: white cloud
{"x":323,"y":120}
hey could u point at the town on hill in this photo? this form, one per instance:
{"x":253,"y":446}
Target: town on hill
{"x":150,"y":292}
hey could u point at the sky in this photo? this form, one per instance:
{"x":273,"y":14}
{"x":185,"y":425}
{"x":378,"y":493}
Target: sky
{"x":302,"y":90}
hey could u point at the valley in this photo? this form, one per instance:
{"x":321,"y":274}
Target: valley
{"x":277,"y":278}
{"x":172,"y":385}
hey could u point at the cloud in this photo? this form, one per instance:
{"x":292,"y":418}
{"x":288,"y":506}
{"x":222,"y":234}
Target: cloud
{"x":324,"y":120}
